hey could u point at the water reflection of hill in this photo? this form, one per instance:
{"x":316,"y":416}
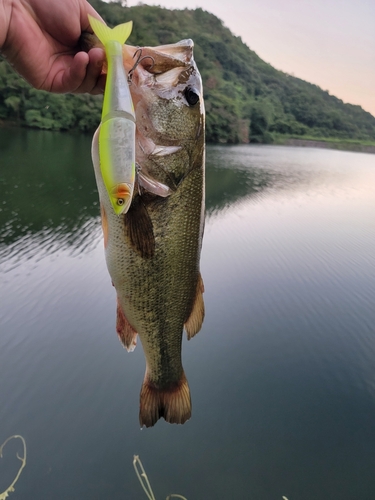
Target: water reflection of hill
{"x":236,"y":173}
{"x":48,"y":194}
{"x":227,"y":182}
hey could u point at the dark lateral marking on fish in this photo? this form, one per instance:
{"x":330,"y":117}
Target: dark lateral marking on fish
{"x":138,"y":227}
{"x":172,"y":403}
{"x":172,"y":184}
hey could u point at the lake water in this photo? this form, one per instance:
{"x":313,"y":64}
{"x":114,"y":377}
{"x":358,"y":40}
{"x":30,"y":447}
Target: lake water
{"x":282,"y":374}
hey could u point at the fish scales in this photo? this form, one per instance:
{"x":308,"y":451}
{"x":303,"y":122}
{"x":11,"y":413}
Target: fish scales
{"x":153,"y":251}
{"x":159,"y":293}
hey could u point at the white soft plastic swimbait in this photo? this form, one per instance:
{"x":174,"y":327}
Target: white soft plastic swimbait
{"x":117,"y":127}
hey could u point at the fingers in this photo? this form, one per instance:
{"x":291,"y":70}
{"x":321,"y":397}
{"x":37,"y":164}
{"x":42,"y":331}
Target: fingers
{"x":93,"y":81}
{"x":82,"y":75}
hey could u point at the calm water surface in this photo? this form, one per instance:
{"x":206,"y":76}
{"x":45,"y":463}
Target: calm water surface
{"x":282,"y":374}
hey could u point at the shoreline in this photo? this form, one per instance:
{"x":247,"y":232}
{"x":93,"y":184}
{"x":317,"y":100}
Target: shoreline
{"x":343,"y":146}
{"x":279,"y":140}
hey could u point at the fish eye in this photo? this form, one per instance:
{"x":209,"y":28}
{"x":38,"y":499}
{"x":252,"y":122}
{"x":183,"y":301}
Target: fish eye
{"x":191,"y":96}
{"x":120,"y":201}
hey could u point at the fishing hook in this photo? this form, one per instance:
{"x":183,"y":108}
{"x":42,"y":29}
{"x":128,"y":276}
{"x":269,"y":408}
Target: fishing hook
{"x":138,"y":53}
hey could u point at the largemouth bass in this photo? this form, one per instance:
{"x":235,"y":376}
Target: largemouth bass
{"x":153,"y":251}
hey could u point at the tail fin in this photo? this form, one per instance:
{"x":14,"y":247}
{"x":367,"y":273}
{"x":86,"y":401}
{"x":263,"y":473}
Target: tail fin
{"x":120,"y":33}
{"x":173,"y":404}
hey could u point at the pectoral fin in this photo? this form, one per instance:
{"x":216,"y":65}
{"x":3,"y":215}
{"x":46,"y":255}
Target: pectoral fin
{"x":139,"y":228}
{"x":195,"y":320}
{"x":160,"y":151}
{"x":125,"y":331}
{"x":153,"y":186}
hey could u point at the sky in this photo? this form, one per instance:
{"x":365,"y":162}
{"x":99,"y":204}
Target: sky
{"x":327,"y":42}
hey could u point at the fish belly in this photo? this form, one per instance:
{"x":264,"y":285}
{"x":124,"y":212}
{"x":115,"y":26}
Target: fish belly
{"x":156,"y":294}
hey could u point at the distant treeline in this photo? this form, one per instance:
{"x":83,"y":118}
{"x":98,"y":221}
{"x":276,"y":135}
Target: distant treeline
{"x":246,"y":99}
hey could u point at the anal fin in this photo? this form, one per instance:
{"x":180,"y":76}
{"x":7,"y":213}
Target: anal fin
{"x":125,"y":331}
{"x":195,"y":320}
{"x":172,"y":403}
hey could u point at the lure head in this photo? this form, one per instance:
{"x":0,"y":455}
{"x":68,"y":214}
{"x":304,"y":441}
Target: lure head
{"x":121,"y":197}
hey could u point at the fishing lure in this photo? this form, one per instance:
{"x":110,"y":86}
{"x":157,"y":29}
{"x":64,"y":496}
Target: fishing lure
{"x":117,"y":127}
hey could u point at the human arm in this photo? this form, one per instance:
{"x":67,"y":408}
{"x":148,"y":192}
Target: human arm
{"x":39,"y":38}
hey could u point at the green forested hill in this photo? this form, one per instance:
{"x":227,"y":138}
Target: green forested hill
{"x":245,"y":98}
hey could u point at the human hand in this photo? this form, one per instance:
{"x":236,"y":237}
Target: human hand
{"x":39,"y":38}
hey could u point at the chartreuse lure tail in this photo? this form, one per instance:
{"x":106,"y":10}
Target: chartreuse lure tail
{"x":117,"y":128}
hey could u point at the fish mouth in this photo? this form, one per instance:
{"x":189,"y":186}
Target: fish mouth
{"x":159,"y":59}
